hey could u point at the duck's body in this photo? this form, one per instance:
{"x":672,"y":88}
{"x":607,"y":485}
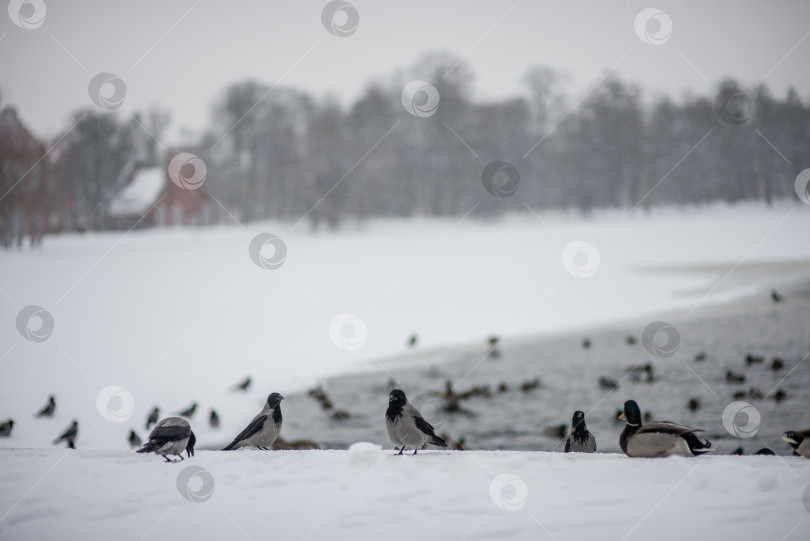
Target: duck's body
{"x":800,"y":441}
{"x":659,"y":439}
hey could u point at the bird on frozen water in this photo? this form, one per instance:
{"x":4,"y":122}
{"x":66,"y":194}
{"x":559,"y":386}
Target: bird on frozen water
{"x":171,"y":436}
{"x":658,"y":439}
{"x":69,"y":435}
{"x":406,"y":426}
{"x":49,"y":408}
{"x":580,"y":440}
{"x":800,"y":441}
{"x":263,"y":429}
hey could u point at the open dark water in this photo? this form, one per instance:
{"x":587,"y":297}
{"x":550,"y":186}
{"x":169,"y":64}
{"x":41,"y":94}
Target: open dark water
{"x":569,"y":374}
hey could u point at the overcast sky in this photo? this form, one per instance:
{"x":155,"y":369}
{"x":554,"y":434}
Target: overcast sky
{"x":181,"y":54}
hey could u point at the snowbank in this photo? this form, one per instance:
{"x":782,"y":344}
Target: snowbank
{"x":367,"y":493}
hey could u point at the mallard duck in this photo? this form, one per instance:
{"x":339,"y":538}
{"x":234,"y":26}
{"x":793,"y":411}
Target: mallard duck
{"x":800,"y":441}
{"x":580,"y":440}
{"x":658,"y":439}
{"x":754,"y":359}
{"x":607,"y":383}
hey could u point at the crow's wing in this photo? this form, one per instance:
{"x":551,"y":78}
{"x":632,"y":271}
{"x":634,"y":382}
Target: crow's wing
{"x":423,"y":425}
{"x":255,"y":425}
{"x":169,"y":433}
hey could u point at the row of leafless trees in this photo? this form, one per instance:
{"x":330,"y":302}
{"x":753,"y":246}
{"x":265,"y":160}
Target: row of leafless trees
{"x":277,"y":152}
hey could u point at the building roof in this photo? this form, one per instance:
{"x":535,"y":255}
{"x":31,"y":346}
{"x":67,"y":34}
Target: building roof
{"x":140,"y":194}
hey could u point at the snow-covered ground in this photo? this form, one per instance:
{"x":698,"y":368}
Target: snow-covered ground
{"x":173,"y":316}
{"x":167,"y":317}
{"x":367,"y":493}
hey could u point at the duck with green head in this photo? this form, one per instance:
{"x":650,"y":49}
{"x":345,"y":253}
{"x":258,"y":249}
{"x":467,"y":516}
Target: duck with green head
{"x":658,"y":439}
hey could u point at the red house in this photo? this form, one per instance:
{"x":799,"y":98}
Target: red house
{"x":149,"y":198}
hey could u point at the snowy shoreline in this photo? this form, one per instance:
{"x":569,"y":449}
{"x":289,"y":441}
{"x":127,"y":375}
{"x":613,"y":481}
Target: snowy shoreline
{"x":367,"y":493}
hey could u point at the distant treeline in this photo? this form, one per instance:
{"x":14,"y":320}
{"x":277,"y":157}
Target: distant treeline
{"x":277,"y":152}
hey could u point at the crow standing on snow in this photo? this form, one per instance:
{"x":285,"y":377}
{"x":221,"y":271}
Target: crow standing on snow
{"x":134,"y":439}
{"x":69,"y":435}
{"x":49,"y":408}
{"x":263,"y":429}
{"x":580,"y":440}
{"x":153,"y":417}
{"x":5,"y":428}
{"x":171,"y":436}
{"x":406,"y":426}
{"x":213,"y":419}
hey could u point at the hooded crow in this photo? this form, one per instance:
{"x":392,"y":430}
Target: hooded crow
{"x":406,"y":426}
{"x":580,"y":440}
{"x":213,"y":419}
{"x":189,"y":412}
{"x":49,"y":408}
{"x":263,"y":429}
{"x":134,"y":439}
{"x":800,"y":441}
{"x":153,"y":417}
{"x":171,"y":436}
{"x":243,"y":386}
{"x":69,"y":435}
{"x":5,"y":428}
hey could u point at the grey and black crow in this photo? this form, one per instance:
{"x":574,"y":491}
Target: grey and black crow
{"x":153,"y":417}
{"x":5,"y":428}
{"x":406,"y":426}
{"x":69,"y":435}
{"x":263,"y":429}
{"x":134,"y":440}
{"x":189,"y":412}
{"x":580,"y":440}
{"x":213,"y":419}
{"x":171,"y":436}
{"x":49,"y":408}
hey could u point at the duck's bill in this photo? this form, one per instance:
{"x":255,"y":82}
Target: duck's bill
{"x":622,"y":417}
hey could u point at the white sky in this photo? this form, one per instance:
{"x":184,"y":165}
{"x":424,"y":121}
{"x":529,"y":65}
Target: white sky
{"x":181,"y":54}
